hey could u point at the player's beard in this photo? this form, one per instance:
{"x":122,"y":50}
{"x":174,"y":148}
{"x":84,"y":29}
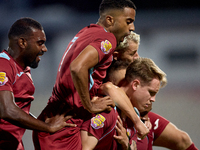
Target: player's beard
{"x":34,"y":64}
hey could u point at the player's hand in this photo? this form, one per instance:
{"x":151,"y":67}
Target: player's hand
{"x":142,"y":130}
{"x":58,"y":121}
{"x":100,"y":104}
{"x":147,"y":122}
{"x":121,"y":136}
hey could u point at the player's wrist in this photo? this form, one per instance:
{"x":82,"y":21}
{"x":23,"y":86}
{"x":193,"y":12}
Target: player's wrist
{"x":126,"y":144}
{"x":129,"y":147}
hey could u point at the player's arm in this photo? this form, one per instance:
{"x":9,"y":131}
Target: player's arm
{"x":146,"y":121}
{"x":173,"y":138}
{"x":123,"y":103}
{"x":87,"y":59}
{"x":10,"y":112}
{"x":88,"y":140}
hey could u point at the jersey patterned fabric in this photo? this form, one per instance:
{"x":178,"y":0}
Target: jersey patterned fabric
{"x":102,"y":126}
{"x":64,"y":90}
{"x":13,"y":78}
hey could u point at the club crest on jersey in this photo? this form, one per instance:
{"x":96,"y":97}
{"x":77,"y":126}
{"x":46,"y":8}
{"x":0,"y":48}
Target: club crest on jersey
{"x":106,"y":46}
{"x":3,"y":78}
{"x":128,"y":132}
{"x":97,"y":122}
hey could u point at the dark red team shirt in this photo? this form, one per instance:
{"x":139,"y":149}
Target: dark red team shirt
{"x":158,"y":125}
{"x":64,"y":91}
{"x":13,"y":78}
{"x":102,"y":126}
{"x":132,"y":134}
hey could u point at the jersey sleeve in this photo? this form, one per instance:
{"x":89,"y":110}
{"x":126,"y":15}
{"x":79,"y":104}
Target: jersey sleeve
{"x":7,"y":76}
{"x":158,"y":123}
{"x":101,"y":125}
{"x":105,"y":44}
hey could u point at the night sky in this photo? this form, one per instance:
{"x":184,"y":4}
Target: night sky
{"x":93,"y":5}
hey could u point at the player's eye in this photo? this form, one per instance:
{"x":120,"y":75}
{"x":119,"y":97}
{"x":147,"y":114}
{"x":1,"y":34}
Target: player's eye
{"x":129,"y":21}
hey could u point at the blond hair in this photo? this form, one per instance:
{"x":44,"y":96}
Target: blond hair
{"x":146,"y":70}
{"x":131,"y":37}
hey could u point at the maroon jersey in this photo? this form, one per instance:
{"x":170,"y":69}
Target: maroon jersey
{"x":132,"y":134}
{"x":102,"y":126}
{"x":64,"y":90}
{"x":13,"y":78}
{"x":158,"y":124}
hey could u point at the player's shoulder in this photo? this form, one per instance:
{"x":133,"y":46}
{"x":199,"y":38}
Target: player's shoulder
{"x":8,"y":64}
{"x":5,"y":60}
{"x":154,"y":117}
{"x":100,"y":31}
{"x":4,"y":56}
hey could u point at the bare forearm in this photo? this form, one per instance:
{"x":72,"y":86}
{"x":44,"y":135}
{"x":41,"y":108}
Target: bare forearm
{"x":127,"y":108}
{"x":121,"y":100}
{"x":79,"y":68}
{"x":18,"y":117}
{"x":80,"y":80}
{"x":10,"y":112}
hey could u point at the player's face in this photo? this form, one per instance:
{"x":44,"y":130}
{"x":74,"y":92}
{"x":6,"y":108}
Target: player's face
{"x":123,"y":23}
{"x":143,"y":96}
{"x":35,"y":48}
{"x":130,"y":53}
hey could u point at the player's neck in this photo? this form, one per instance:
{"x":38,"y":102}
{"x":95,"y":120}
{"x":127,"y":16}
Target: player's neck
{"x":102,"y":24}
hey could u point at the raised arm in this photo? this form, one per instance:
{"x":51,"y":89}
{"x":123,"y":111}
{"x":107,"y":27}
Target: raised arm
{"x":87,"y":59}
{"x":10,"y":112}
{"x":123,"y":103}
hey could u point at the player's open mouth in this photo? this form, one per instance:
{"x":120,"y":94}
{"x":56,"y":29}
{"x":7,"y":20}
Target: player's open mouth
{"x":39,"y":57}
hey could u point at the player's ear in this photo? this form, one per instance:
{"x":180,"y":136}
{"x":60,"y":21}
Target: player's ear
{"x":22,"y":42}
{"x":135,"y":84}
{"x":109,"y":20}
{"x":115,"y":55}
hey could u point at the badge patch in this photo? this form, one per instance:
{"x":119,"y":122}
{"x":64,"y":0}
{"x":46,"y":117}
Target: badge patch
{"x":97,"y":122}
{"x":128,"y":132}
{"x":3,"y":78}
{"x":106,"y":46}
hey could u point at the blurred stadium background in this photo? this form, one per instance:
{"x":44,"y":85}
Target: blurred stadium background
{"x":170,"y":35}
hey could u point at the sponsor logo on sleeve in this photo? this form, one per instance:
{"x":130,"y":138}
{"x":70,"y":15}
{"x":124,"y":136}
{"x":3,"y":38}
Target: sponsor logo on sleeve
{"x":3,"y":78}
{"x":106,"y":46}
{"x":97,"y":122}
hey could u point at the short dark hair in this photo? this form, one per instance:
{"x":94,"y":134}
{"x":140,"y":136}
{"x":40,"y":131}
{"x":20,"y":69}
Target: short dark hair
{"x":115,"y":4}
{"x":23,"y":26}
{"x":115,"y":66}
{"x":118,"y":65}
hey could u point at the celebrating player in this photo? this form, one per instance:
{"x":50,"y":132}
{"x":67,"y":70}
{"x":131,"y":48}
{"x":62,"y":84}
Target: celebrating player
{"x":26,"y":46}
{"x":142,"y":81}
{"x":166,"y":134}
{"x":82,"y":70}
